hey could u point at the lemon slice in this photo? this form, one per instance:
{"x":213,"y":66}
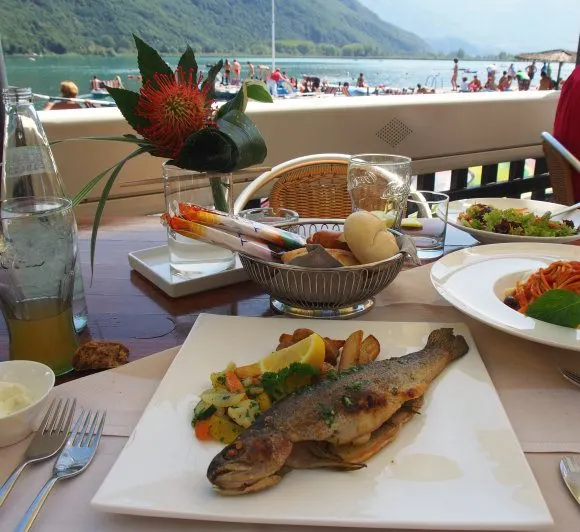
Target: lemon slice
{"x":410,"y":223}
{"x":387,"y":217}
{"x":308,"y":351}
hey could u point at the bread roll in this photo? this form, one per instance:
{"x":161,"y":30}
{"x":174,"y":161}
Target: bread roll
{"x":346,"y":258}
{"x":328,"y":240}
{"x":289,"y":255}
{"x":367,"y":238}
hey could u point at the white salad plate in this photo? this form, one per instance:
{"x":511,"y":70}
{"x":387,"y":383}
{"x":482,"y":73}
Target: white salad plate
{"x":537,"y":207}
{"x":475,"y":281}
{"x":457,"y":466}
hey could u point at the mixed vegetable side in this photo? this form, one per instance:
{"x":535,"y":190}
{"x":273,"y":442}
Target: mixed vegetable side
{"x":233,"y":403}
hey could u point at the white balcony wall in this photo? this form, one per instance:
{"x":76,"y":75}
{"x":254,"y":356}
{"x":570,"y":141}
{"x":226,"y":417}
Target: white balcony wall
{"x":439,"y":132}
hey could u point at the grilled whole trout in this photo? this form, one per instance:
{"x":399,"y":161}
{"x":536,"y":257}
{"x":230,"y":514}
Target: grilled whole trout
{"x":321,"y":426}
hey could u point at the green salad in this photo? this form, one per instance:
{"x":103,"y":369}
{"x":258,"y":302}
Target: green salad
{"x":514,"y":222}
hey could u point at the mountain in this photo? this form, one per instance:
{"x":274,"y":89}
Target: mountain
{"x":513,"y":26}
{"x":333,"y":27}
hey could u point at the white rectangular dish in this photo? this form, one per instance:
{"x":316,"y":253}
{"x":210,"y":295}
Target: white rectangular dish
{"x":457,"y":466}
{"x":153,"y":264}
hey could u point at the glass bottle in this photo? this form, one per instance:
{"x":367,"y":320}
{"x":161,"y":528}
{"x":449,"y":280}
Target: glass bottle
{"x":38,"y":242}
{"x":29,"y":146}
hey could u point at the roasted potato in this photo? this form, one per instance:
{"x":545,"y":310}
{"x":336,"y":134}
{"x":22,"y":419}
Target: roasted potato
{"x":351,"y":351}
{"x":369,"y":350}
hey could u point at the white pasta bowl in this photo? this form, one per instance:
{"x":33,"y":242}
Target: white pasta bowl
{"x":38,"y":379}
{"x":537,"y":207}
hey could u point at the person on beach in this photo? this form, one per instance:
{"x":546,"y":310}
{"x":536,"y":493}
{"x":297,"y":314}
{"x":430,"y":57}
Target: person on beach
{"x":237,"y":71}
{"x":360,"y":82}
{"x":464,"y":87}
{"x":566,"y":122}
{"x":68,"y":89}
{"x":250,"y":70}
{"x":475,"y":85}
{"x":523,"y":81}
{"x":345,"y":88}
{"x":511,"y":72}
{"x":227,"y":72}
{"x":504,"y":82}
{"x":96,"y":84}
{"x":454,"y":85}
{"x":531,"y":70}
{"x":546,"y":83}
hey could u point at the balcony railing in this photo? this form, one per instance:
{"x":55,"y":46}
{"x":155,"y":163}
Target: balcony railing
{"x":451,"y":133}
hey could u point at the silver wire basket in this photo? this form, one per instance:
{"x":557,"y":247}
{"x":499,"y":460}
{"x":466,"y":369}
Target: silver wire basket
{"x":331,"y":293}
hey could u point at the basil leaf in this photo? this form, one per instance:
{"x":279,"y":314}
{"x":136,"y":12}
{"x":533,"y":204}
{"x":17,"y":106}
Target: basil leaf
{"x":560,"y":307}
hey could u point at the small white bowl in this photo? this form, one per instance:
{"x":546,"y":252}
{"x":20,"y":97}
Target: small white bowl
{"x":38,"y":380}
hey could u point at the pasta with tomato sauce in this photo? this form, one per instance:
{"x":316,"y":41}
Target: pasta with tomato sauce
{"x":563,"y":275}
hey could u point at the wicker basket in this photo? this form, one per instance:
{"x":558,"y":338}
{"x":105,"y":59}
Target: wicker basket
{"x":332,"y":293}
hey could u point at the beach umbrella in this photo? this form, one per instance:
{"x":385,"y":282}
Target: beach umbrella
{"x":550,"y":56}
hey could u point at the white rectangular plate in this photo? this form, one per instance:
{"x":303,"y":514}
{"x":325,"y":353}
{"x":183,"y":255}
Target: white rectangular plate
{"x":457,"y":466}
{"x":153,"y":264}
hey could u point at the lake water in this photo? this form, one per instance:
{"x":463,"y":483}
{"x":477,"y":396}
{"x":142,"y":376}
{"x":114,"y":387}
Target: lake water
{"x":45,"y":73}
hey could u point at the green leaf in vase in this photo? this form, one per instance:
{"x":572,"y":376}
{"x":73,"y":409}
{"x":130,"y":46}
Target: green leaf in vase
{"x":126,"y":101}
{"x":187,"y":62}
{"x":560,"y":307}
{"x":150,"y":62}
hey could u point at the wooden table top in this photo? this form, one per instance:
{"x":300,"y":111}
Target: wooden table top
{"x":125,"y":307}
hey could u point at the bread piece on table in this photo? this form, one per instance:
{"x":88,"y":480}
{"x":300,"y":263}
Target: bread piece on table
{"x":100,"y":355}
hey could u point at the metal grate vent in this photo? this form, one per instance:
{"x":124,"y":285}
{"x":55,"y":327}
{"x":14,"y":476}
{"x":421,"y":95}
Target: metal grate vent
{"x":394,"y":132}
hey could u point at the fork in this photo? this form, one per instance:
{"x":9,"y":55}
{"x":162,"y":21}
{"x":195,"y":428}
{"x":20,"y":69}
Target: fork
{"x":570,"y":376}
{"x":47,"y":441}
{"x":78,"y":452}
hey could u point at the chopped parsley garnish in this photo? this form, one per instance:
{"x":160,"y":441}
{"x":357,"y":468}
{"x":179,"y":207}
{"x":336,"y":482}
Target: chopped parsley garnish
{"x":327,"y":414}
{"x":346,"y":401}
{"x":286,"y":381}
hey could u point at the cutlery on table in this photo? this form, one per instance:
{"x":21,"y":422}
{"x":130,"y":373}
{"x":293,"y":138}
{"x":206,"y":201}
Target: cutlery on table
{"x":570,"y":471}
{"x":79,"y":450}
{"x":566,"y":210}
{"x":570,"y":376}
{"x":47,"y":440}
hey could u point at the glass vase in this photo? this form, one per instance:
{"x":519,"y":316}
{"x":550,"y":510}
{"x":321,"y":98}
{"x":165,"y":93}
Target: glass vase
{"x":187,"y":257}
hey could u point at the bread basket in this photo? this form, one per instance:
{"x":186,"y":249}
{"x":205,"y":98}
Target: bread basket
{"x":331,"y":293}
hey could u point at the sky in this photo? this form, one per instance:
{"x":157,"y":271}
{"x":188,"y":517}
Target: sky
{"x":509,"y":25}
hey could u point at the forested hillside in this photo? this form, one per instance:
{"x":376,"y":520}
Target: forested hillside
{"x":303,"y":27}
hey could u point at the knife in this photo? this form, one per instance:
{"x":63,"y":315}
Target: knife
{"x":570,"y":471}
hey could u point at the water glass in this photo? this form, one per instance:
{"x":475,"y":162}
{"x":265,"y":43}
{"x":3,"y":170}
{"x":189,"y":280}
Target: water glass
{"x":270,"y":216}
{"x":426,"y":222}
{"x":380,"y":184}
{"x":187,"y":257}
{"x":37,"y":271}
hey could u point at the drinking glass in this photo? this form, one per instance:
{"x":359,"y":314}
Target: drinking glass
{"x":380,"y":184}
{"x":37,"y":271}
{"x":268,"y":215}
{"x":187,"y":257}
{"x":426,"y":222}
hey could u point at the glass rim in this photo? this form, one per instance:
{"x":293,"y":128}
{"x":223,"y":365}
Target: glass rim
{"x":265,"y":209}
{"x":390,"y":159}
{"x":413,"y":199}
{"x":66,"y":204}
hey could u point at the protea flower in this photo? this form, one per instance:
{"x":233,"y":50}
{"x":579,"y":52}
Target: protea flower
{"x":175,"y":119}
{"x":174,"y":107}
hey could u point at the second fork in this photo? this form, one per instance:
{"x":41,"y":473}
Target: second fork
{"x":47,"y":441}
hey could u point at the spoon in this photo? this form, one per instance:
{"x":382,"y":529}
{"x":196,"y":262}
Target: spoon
{"x":566,"y":210}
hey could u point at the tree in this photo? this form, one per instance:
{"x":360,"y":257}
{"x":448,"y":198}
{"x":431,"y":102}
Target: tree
{"x":460,"y":53}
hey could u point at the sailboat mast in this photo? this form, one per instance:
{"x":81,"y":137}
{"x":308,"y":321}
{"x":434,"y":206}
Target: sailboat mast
{"x":273,"y":35}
